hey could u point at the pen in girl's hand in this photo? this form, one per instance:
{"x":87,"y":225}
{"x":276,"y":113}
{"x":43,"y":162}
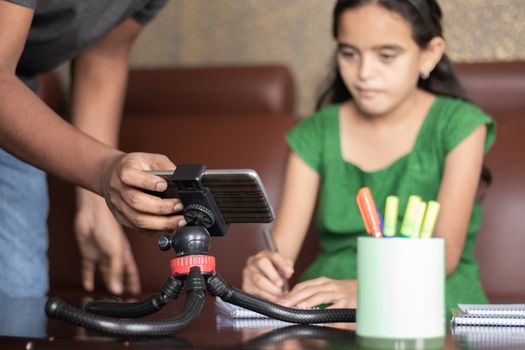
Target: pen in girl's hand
{"x":270,"y":244}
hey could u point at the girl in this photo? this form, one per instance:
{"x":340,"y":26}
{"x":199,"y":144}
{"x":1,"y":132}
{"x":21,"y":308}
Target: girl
{"x":394,"y":119}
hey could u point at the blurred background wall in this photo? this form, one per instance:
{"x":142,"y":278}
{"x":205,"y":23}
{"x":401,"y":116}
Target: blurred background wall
{"x":297,"y":33}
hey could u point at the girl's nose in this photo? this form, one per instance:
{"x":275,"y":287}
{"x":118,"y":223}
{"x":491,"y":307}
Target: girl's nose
{"x":365,"y":69}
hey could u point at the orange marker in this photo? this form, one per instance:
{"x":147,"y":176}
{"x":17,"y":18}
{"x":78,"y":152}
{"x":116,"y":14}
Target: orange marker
{"x":368,"y":210}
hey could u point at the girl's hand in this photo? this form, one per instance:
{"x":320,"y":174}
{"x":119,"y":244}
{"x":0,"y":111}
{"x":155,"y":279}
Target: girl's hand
{"x":123,"y":183}
{"x":104,"y":245}
{"x":265,"y":274}
{"x":322,"y":290}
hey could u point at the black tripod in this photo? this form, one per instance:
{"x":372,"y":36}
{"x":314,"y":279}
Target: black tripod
{"x":192,"y":269}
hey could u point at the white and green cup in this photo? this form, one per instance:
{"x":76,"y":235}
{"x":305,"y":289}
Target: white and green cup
{"x":401,"y":288}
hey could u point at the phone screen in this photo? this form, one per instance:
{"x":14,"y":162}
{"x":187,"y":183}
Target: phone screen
{"x":239,"y":194}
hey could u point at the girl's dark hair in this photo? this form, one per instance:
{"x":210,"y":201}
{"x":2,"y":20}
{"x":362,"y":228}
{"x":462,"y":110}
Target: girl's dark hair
{"x":425,"y":19}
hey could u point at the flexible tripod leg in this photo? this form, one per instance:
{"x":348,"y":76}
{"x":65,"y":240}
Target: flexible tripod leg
{"x":154,"y":303}
{"x":218,"y":287}
{"x":195,"y":285}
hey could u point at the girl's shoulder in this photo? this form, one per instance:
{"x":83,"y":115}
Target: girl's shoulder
{"x":316,"y":126}
{"x":311,"y":136}
{"x":455,"y":119}
{"x":321,"y":118}
{"x":455,"y":107}
{"x":328,"y":111}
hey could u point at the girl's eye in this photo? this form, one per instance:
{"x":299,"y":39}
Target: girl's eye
{"x":387,"y":56}
{"x":348,"y":54}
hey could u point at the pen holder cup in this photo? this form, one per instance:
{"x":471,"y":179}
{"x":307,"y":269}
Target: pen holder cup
{"x":401,"y":288}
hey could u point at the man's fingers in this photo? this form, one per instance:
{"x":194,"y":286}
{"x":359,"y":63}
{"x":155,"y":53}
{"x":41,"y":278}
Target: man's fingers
{"x":132,"y":278}
{"x":150,"y":204}
{"x":88,"y":274}
{"x":149,"y":161}
{"x":115,"y":274}
{"x":139,"y":178}
{"x":149,"y":222}
{"x":160,"y":162}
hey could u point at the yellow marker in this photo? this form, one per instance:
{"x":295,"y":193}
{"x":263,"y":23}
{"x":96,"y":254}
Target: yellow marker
{"x":418,"y":220}
{"x":390,"y":224}
{"x":409,"y":220}
{"x":427,"y":229}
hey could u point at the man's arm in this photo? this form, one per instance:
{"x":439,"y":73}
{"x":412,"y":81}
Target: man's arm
{"x":29,"y":129}
{"x":99,"y":83}
{"x":99,"y":78}
{"x":34,"y":133}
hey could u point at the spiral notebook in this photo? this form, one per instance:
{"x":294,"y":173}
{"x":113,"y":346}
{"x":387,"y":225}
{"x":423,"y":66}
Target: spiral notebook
{"x":233,"y":316}
{"x":224,"y":321}
{"x":511,"y":315}
{"x":477,"y":337}
{"x":235,"y":311}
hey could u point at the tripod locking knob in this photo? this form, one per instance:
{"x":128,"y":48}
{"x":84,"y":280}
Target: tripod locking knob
{"x":199,"y":215}
{"x":164,"y":243}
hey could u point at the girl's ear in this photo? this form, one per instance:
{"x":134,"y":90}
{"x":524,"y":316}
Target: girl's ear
{"x":431,"y":56}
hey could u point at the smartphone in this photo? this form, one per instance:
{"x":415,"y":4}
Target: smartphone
{"x":239,"y":193}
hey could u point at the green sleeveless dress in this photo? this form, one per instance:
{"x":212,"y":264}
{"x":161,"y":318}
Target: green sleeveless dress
{"x":317,"y":141}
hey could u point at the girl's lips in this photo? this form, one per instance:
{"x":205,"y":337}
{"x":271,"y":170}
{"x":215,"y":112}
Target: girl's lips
{"x":364,"y":92}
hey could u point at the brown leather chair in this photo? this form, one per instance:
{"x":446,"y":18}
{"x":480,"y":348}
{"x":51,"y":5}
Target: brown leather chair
{"x":499,"y":88}
{"x":218,"y":90}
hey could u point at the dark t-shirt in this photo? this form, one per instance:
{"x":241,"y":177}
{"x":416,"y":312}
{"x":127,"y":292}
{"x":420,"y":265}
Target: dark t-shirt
{"x":62,"y":29}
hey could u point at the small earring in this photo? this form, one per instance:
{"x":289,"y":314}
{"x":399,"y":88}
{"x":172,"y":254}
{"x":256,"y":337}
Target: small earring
{"x":424,"y":75}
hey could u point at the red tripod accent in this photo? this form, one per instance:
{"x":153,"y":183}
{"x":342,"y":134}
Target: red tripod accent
{"x":182,"y":264}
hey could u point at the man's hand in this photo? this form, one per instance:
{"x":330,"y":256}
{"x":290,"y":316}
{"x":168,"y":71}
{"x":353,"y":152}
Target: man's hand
{"x":103,"y":244}
{"x":123,"y":183}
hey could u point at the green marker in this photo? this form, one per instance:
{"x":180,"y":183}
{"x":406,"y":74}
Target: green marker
{"x":409,"y":220}
{"x":418,"y":221}
{"x":427,"y":229}
{"x":391,"y":208}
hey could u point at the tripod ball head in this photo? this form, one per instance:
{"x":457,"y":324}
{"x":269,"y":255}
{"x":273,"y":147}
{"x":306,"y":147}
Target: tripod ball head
{"x":191,"y":240}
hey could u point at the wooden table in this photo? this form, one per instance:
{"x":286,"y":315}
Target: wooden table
{"x":23,"y":325}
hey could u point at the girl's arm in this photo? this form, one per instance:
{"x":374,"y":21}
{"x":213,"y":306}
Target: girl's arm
{"x":297,"y":205}
{"x":457,"y":193}
{"x":263,"y":274}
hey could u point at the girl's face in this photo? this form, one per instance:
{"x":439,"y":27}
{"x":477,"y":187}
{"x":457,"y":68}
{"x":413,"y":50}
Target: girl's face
{"x":378,"y":60}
